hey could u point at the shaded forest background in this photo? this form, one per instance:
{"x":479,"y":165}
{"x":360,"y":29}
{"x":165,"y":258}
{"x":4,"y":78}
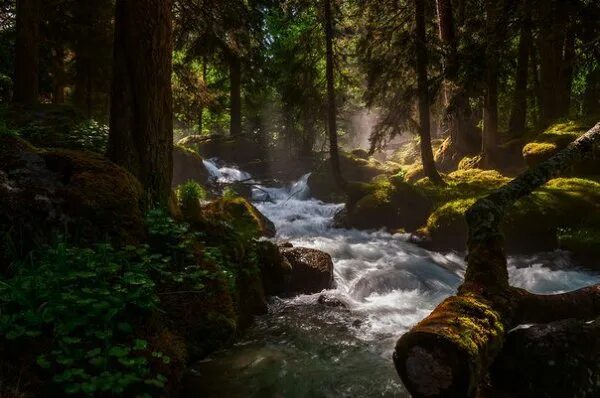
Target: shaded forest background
{"x":495,"y":70}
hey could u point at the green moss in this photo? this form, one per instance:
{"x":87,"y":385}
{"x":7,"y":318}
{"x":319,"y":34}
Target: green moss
{"x":471,"y":324}
{"x":532,"y":222}
{"x":187,"y":149}
{"x":242,"y":215}
{"x":542,"y":146}
{"x":414,"y":172}
{"x":448,"y":215}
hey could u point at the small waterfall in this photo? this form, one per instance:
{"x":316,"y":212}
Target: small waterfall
{"x":298,"y":190}
{"x":225,"y":174}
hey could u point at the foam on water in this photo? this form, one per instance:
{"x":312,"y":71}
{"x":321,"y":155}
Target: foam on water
{"x":387,"y":285}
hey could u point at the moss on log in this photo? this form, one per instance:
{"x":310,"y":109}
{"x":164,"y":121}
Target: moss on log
{"x":448,"y":353}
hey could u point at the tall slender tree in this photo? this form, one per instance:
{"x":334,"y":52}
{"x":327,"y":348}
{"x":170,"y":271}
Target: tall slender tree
{"x":458,"y":111}
{"x":331,"y":103}
{"x":235,"y":96}
{"x":27,"y":52}
{"x":555,"y":43}
{"x":141,"y":120}
{"x":490,"y":107}
{"x":423,"y":88}
{"x":518,"y":114}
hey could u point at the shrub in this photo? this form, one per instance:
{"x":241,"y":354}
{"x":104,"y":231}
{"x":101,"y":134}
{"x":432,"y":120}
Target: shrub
{"x":191,"y":190}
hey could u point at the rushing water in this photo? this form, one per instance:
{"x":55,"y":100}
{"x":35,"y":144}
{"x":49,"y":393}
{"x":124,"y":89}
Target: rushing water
{"x":305,"y":349}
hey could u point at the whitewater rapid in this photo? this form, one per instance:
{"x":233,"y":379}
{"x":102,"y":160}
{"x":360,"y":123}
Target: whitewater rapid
{"x":386,"y":283}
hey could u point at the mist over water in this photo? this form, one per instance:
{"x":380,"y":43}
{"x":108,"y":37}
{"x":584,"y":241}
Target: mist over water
{"x":304,"y":349}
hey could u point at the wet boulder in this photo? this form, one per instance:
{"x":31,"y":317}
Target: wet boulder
{"x":312,"y":270}
{"x":45,"y":193}
{"x":188,"y":165}
{"x":330,"y":301}
{"x":242,"y":214}
{"x":559,"y":359}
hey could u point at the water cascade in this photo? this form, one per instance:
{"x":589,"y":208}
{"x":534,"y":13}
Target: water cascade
{"x":385,"y":283}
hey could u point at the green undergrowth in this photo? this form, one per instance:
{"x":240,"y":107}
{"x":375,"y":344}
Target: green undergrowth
{"x":94,"y":319}
{"x":58,"y":126}
{"x":541,"y":146}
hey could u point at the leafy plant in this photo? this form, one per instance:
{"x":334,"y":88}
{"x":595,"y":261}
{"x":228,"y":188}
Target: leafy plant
{"x":191,"y":190}
{"x":83,"y":304}
{"x":91,"y":135}
{"x":230,"y":193}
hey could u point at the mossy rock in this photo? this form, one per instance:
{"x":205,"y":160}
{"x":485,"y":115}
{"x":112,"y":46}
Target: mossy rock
{"x":552,"y":140}
{"x":414,"y":173}
{"x":322,"y":184}
{"x":45,"y":192}
{"x":537,"y":152}
{"x":188,"y":165}
{"x":389,"y":203}
{"x":243,"y":215}
{"x":532,"y":224}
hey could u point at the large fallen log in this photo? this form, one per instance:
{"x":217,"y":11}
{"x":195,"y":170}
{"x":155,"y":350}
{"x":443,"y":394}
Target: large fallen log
{"x":449,"y":352}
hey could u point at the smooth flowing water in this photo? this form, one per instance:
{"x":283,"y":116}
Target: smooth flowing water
{"x":305,"y":349}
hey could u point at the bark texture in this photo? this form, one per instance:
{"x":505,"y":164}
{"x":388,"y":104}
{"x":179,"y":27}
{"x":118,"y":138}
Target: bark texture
{"x":141,"y":126}
{"x":331,"y":102}
{"x":27,"y":52}
{"x":423,"y":89}
{"x":449,"y":352}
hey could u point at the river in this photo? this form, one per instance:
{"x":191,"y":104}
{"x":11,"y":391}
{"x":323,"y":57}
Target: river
{"x":305,"y":349}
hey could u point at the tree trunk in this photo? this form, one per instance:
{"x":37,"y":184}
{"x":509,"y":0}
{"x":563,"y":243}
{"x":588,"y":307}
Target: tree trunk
{"x":235,"y":76}
{"x":554,"y":50}
{"x":141,"y":120}
{"x":591,"y":96}
{"x":568,"y":64}
{"x":457,"y":117}
{"x":518,"y":114}
{"x":58,"y":74}
{"x":448,"y":353}
{"x":27,"y":52}
{"x":423,"y":89}
{"x":201,"y":111}
{"x":537,"y":89}
{"x":331,"y":104}
{"x":83,"y":58}
{"x":490,"y":112}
